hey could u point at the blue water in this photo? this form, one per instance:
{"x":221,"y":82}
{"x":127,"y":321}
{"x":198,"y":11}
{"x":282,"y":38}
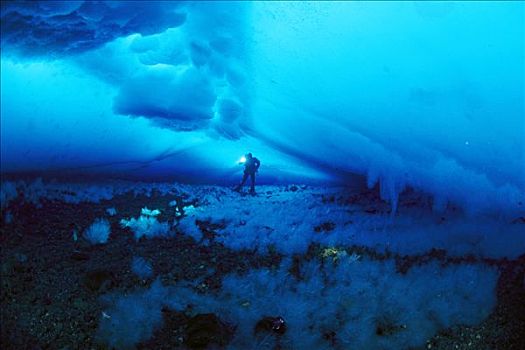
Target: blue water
{"x":427,"y":95}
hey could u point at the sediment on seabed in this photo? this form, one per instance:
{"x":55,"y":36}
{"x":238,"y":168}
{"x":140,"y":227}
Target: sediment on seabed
{"x":196,"y":266}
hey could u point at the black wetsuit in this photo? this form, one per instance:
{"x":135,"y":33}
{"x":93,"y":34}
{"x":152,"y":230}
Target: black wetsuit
{"x":250,"y":168}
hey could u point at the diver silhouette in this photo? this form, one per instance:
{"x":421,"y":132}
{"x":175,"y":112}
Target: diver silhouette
{"x":251,"y":165}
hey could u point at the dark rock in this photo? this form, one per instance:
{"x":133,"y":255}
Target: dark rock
{"x":79,"y":256}
{"x":385,"y":328}
{"x":20,"y":264}
{"x":206,"y":329}
{"x":47,"y":300}
{"x":271,"y":324}
{"x":330,"y":337}
{"x":209,"y":229}
{"x":94,"y":280}
{"x":325,"y":227}
{"x":295,"y":269}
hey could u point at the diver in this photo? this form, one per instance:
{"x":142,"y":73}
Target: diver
{"x":251,"y":165}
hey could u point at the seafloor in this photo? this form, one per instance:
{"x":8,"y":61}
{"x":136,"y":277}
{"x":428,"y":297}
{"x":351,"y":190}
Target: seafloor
{"x":52,"y":284}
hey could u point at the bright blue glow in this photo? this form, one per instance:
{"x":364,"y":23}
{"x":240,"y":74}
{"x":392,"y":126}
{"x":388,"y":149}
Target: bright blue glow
{"x":425,"y":94}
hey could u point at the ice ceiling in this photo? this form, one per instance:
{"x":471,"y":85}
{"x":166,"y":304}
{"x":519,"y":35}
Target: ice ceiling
{"x":422,"y":94}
